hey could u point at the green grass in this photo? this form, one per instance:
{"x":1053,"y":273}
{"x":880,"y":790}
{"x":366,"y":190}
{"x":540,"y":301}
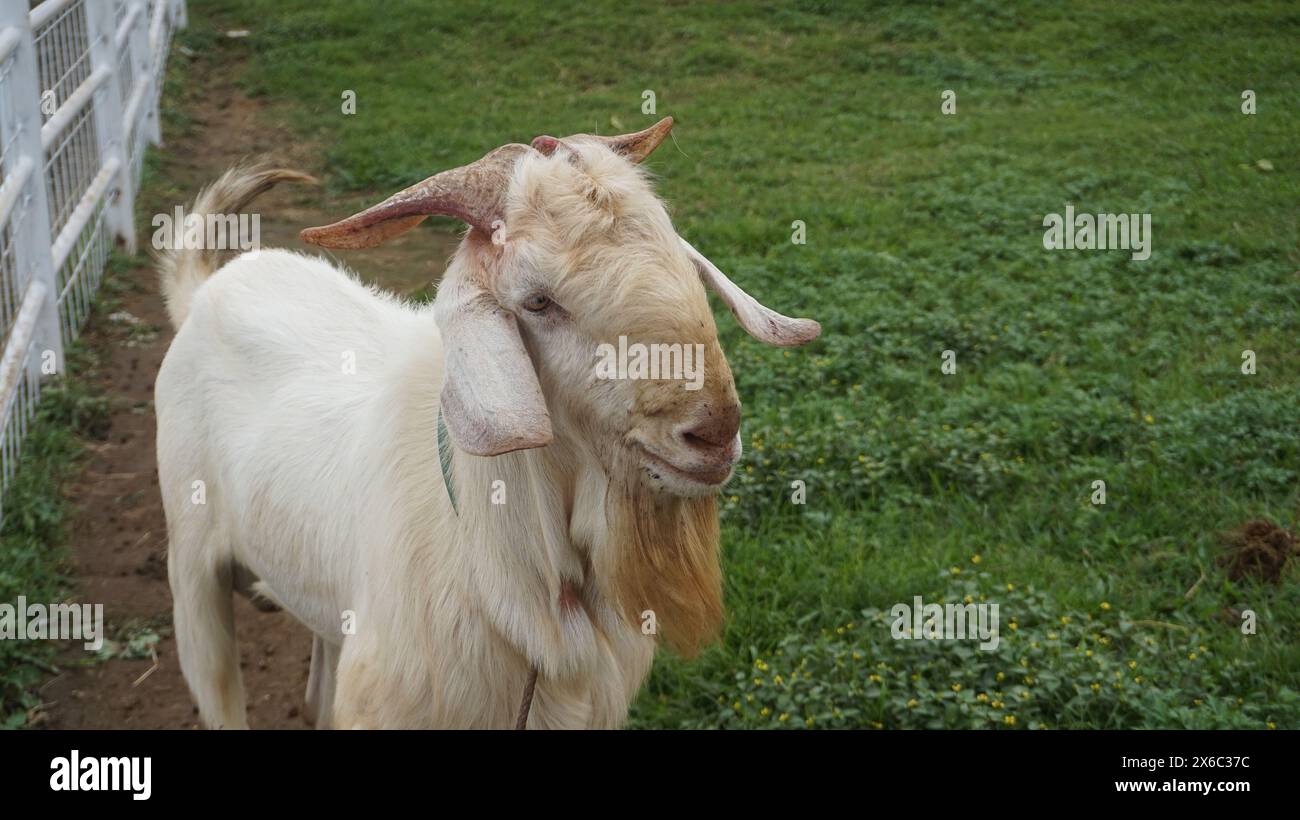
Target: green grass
{"x":71,"y":411}
{"x":924,"y":234}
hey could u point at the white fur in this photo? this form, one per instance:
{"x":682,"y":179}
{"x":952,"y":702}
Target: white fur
{"x":326,"y":485}
{"x":307,"y":405}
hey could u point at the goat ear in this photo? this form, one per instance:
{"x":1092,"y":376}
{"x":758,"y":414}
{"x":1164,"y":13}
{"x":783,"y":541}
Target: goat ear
{"x":758,"y":320}
{"x":492,"y":402}
{"x":472,"y":193}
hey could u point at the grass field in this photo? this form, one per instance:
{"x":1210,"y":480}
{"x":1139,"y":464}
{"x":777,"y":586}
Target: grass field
{"x":924,"y":234}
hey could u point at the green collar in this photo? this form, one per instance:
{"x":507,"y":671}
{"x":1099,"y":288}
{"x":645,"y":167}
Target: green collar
{"x":444,"y":456}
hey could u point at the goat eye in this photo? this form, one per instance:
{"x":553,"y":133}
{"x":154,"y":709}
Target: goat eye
{"x":537,"y":303}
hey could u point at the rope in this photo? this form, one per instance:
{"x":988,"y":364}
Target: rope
{"x":522,"y":722}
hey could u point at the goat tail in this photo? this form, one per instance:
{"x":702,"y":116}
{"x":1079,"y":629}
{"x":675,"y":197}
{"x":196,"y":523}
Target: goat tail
{"x":182,"y":269}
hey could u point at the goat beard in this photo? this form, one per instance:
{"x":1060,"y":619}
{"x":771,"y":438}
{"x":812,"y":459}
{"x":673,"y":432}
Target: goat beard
{"x":666,"y":554}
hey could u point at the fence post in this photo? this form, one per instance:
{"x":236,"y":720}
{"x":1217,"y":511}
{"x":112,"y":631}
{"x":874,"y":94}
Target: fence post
{"x":107,"y":111}
{"x":135,"y":107}
{"x":156,"y":19}
{"x":32,"y":244}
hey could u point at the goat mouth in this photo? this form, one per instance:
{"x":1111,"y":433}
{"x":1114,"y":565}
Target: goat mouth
{"x":659,"y":467}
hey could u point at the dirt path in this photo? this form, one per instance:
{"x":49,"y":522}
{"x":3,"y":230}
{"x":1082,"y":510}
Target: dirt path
{"x":118,"y":535}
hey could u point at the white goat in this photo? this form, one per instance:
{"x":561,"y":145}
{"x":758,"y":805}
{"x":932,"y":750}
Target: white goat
{"x":310,"y":407}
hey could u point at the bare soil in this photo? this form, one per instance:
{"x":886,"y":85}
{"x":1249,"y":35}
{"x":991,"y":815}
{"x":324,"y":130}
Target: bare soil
{"x":118,"y":538}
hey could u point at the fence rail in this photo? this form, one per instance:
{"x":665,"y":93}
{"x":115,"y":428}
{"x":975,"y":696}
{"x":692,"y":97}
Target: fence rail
{"x":80,"y":82}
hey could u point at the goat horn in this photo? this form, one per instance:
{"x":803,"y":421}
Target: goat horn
{"x":636,"y":147}
{"x":471,"y":193}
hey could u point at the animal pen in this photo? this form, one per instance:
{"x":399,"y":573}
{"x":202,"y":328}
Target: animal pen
{"x":80,"y":82}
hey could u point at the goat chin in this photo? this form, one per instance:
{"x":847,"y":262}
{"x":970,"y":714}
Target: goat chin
{"x":666,"y":557}
{"x":326,"y":486}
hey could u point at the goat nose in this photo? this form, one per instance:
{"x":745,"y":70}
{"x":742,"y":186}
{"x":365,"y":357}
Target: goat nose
{"x":716,"y":431}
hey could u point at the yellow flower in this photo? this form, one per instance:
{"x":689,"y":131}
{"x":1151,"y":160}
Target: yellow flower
{"x":1096,"y":687}
{"x":784,"y":717}
{"x":1009,"y":720}
{"x":975,"y":559}
{"x":1191,"y":656}
{"x":1272,"y":725}
{"x":997,"y":704}
{"x":912,"y":704}
{"x":982,"y":698}
{"x":956,"y":687}
{"x":760,"y":665}
{"x":874,"y":678}
{"x":736,"y":706}
{"x":956,"y":570}
{"x":877,"y":724}
{"x":1105,"y":606}
{"x":1087,"y":653}
{"x":1065,"y":619}
{"x":808,"y":722}
{"x":968,"y":600}
{"x":1001,"y":676}
{"x":778,"y":680}
{"x":1014,"y":626}
{"x":764,"y":712}
{"x":1148,"y":419}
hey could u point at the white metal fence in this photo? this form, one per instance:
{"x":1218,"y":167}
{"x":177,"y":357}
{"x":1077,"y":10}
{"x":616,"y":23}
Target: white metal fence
{"x":79,"y":87}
